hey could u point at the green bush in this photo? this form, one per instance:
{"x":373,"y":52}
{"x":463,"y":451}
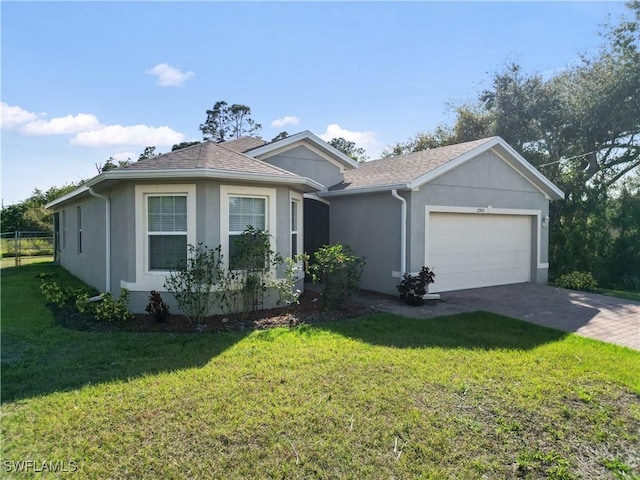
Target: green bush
{"x":339,"y":270}
{"x":577,"y":281}
{"x":111,"y":310}
{"x":108,"y":309}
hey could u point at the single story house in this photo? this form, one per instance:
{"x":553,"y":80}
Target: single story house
{"x":476,"y":212}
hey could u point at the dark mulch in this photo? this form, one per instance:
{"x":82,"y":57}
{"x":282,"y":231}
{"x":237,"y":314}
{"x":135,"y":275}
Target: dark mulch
{"x":309,"y":311}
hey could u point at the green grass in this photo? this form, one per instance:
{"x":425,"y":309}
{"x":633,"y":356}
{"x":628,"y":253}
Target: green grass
{"x":619,"y":293}
{"x":6,"y":262}
{"x":382,"y":396}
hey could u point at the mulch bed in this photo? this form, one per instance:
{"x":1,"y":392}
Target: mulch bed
{"x":309,"y":311}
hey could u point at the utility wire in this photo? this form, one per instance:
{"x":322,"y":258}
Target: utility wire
{"x":570,"y":158}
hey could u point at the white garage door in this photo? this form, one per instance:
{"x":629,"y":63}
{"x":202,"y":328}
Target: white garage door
{"x":471,"y":250}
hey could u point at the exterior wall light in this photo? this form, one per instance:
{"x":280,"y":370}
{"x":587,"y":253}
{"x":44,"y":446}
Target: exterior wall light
{"x":545,"y":221}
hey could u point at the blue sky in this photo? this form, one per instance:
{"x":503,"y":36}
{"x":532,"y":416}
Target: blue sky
{"x":83,"y":81}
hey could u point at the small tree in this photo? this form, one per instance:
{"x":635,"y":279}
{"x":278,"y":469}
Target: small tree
{"x":249,"y":270}
{"x":194,"y":285}
{"x":287,"y":293}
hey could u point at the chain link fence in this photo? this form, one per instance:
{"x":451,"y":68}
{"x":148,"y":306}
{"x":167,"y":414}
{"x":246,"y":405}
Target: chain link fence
{"x":21,"y":246}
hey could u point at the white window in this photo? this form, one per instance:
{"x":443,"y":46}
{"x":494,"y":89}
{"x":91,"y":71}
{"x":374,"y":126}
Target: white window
{"x":166,"y":232}
{"x":64,"y":229}
{"x":296,"y":224}
{"x":165,"y":225}
{"x":243,"y":207}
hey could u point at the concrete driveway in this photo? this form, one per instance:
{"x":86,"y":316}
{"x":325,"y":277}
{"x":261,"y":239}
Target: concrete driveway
{"x":605,"y":318}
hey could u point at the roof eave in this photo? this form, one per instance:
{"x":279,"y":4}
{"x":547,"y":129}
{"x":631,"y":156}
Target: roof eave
{"x":364,"y":190}
{"x":67,"y":196}
{"x":307,"y":184}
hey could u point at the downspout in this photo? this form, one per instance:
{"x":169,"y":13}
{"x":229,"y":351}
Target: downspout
{"x":107,"y":269}
{"x":403,"y":233}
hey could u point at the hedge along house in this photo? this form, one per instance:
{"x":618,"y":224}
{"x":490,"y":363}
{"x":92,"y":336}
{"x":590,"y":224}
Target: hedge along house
{"x":477,"y":213}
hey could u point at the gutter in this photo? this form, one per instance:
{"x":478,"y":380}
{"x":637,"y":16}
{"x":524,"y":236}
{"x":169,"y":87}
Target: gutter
{"x":403,"y":232}
{"x":107,"y":223}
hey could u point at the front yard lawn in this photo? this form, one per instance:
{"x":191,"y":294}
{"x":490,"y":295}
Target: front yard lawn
{"x":466,"y":396}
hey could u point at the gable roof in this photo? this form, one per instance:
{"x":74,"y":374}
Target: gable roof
{"x":205,"y":160}
{"x":415,"y":169}
{"x":243,"y":144}
{"x":311,"y":141}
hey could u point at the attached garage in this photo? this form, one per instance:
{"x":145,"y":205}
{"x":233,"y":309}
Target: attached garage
{"x":471,"y":250}
{"x":477,"y":213}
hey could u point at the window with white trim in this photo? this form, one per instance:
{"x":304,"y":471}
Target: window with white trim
{"x":79,"y":223}
{"x":245,"y":212}
{"x":165,"y":225}
{"x":295,"y":226}
{"x":64,"y":229}
{"x":243,"y":207}
{"x":166,"y":232}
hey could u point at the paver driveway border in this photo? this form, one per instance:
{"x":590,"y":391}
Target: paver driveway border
{"x":591,"y":315}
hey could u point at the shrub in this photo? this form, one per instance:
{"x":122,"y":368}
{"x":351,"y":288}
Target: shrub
{"x":287,"y":294}
{"x":111,"y":310}
{"x":61,"y":296}
{"x":54,"y":293}
{"x":106,"y":309}
{"x":156,"y":307}
{"x":193,"y":285}
{"x":577,"y":281}
{"x":413,"y":287}
{"x":339,"y":270}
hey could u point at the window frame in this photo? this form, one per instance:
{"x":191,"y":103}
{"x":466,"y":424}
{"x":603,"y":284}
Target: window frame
{"x":227,"y":191}
{"x":297,"y":199}
{"x":63,"y":244}
{"x":79,"y":227}
{"x":154,"y":279}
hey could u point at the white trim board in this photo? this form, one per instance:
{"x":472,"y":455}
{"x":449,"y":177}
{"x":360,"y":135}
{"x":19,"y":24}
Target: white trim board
{"x":155,"y":280}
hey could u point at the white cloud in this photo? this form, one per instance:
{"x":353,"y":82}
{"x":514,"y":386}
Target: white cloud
{"x":122,"y":156}
{"x":141,"y":135}
{"x":288,"y":120}
{"x":87,"y":129}
{"x":61,"y":125}
{"x":13,"y":116}
{"x":169,"y":76}
{"x":367,"y":140}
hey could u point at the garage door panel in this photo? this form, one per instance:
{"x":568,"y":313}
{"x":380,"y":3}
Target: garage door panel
{"x":469,"y":250}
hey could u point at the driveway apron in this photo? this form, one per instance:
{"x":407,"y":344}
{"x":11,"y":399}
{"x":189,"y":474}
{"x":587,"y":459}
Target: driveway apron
{"x":591,"y":315}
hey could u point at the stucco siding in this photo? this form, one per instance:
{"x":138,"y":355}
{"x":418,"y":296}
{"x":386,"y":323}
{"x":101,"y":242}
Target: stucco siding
{"x":370,"y":224}
{"x":88,"y":264}
{"x":485,"y":181}
{"x":123,"y":235}
{"x":304,"y":162}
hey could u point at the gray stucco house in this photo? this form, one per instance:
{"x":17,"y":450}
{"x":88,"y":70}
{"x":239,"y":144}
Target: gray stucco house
{"x":477,"y":212}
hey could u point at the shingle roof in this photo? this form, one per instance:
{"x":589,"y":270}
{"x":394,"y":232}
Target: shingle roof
{"x":208,"y":155}
{"x":243,"y":144}
{"x":404,"y":168}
